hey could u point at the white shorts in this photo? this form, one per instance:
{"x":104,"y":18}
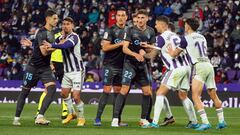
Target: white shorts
{"x":204,"y":72}
{"x":177,"y":79}
{"x":73,"y":80}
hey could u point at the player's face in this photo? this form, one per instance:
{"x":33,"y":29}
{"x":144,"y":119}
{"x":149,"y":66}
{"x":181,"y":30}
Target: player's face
{"x":142,"y":20}
{"x":52,"y":20}
{"x":186,"y":27}
{"x":67,"y":27}
{"x":160,"y":26}
{"x":121,"y":17}
{"x":135,"y":21}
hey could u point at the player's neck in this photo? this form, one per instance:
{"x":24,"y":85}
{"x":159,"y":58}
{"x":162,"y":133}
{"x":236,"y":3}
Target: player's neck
{"x":48,"y":27}
{"x":67,"y":33}
{"x":190,"y":31}
{"x":142,"y":27}
{"x":120,"y":25}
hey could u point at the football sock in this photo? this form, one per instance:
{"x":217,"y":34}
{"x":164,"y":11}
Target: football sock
{"x":158,"y":108}
{"x":189,"y":108}
{"x":51,"y":90}
{"x":145,"y":106}
{"x":102,"y":104}
{"x":220,"y":115}
{"x":203,"y":116}
{"x":21,"y":101}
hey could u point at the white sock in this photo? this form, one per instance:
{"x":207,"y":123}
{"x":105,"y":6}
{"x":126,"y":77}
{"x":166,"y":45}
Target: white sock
{"x":189,"y":108}
{"x":80,"y":109}
{"x":39,"y":116}
{"x":220,"y":115}
{"x":203,"y":116}
{"x":17,"y":118}
{"x":166,"y":108}
{"x":69,"y":104}
{"x":158,"y":108}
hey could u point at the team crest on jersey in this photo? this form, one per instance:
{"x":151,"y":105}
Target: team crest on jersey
{"x":105,"y":35}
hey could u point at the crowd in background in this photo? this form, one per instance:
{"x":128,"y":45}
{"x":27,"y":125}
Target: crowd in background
{"x":18,"y":19}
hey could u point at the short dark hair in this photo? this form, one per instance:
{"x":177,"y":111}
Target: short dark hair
{"x":134,"y":15}
{"x":69,"y":19}
{"x":142,"y":11}
{"x":171,"y":26}
{"x":193,"y":23}
{"x":122,"y":9}
{"x":50,"y":13}
{"x":163,"y":19}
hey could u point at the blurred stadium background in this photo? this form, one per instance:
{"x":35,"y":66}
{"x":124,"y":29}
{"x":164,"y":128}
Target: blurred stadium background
{"x":220,"y":24}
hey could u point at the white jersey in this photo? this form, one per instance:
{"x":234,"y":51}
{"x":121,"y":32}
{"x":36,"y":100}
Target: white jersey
{"x":196,"y":47}
{"x":170,"y":38}
{"x":72,"y":58}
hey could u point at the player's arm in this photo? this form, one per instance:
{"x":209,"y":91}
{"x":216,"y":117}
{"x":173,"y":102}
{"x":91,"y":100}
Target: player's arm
{"x":127,"y":51}
{"x":153,"y":53}
{"x":180,"y":47}
{"x":70,"y":42}
{"x":40,"y":37}
{"x":26,"y":42}
{"x":107,"y":46}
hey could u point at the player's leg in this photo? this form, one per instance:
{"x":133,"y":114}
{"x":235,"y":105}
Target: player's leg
{"x":159,"y":103}
{"x":211,"y":87}
{"x":116,"y":89}
{"x":77,"y":83}
{"x":66,"y":96}
{"x":107,"y":81}
{"x":197,"y":87}
{"x":119,"y":105}
{"x":40,"y":100}
{"x":169,"y":119}
{"x":169,"y":81}
{"x":127,"y":76}
{"x":30,"y":79}
{"x":59,"y":72}
{"x":48,"y":80}
{"x":183,"y":95}
{"x":147,"y":93}
{"x":189,"y":109}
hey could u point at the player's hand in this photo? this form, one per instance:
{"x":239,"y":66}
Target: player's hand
{"x":62,"y":41}
{"x":139,"y":57}
{"x":46,"y":44}
{"x":120,"y":43}
{"x":25,"y":42}
{"x":142,"y":52}
{"x":144,"y":44}
{"x":169,"y":48}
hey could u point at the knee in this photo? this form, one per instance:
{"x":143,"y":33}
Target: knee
{"x":76,"y":98}
{"x":107,"y":89}
{"x":64,"y":94}
{"x":124,"y":91}
{"x":147,"y":93}
{"x":182,"y":95}
{"x":116,"y":89}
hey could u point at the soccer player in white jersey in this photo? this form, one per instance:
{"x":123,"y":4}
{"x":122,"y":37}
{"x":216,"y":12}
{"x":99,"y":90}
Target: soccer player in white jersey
{"x":74,"y":71}
{"x":203,"y":72}
{"x":177,"y":75}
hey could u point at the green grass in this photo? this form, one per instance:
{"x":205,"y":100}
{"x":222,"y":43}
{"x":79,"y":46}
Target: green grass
{"x":130,"y":115}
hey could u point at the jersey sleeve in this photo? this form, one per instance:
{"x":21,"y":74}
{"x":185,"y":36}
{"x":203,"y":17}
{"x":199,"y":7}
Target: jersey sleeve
{"x":107,"y":35}
{"x":74,"y":39}
{"x":127,"y":35}
{"x":40,"y":37}
{"x":153,"y":37}
{"x":160,"y":41}
{"x":183,"y":43}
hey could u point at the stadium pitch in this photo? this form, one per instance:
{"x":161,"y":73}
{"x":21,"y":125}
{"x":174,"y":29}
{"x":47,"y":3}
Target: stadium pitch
{"x":130,"y":115}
